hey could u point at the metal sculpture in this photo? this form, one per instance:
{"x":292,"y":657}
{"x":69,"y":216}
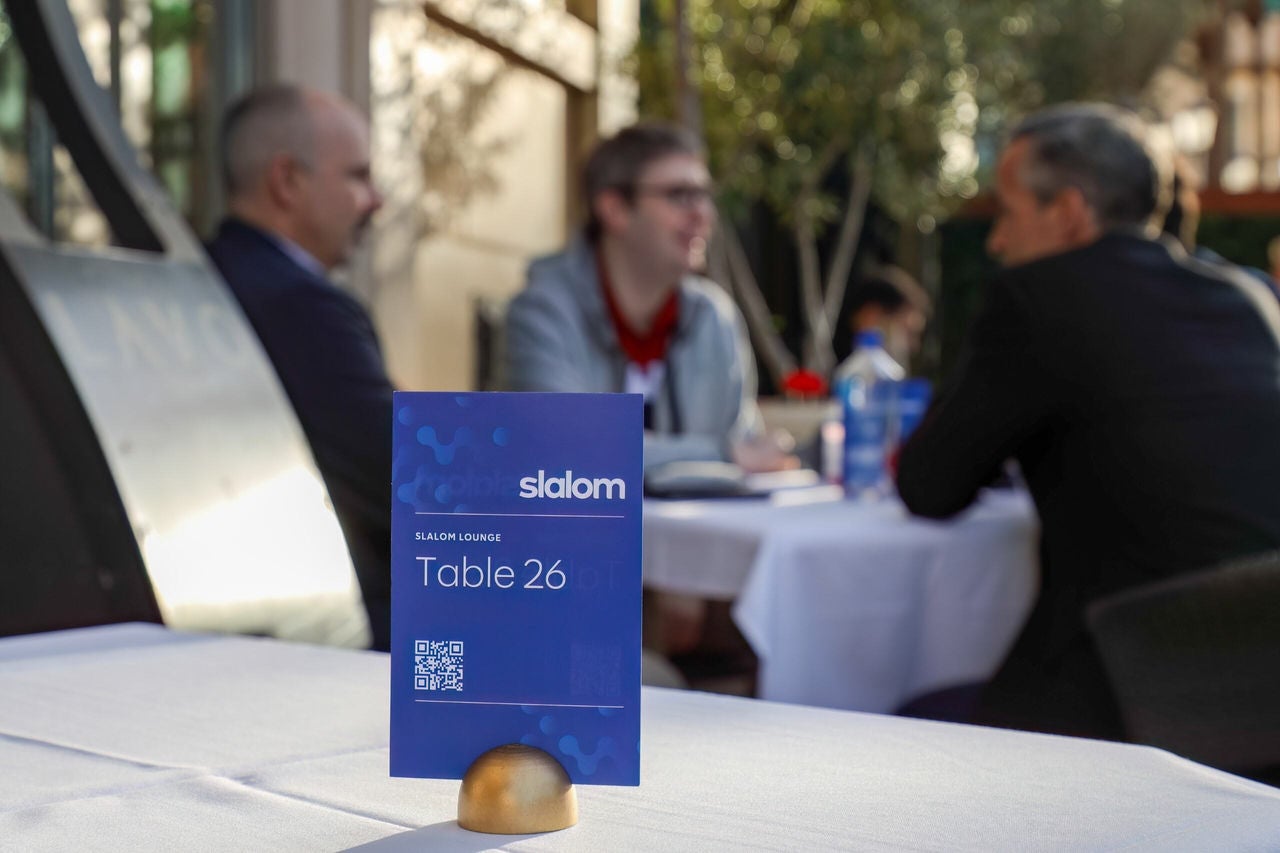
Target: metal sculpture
{"x":152,"y":466}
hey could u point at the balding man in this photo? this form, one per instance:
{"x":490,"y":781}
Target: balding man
{"x":296,"y":169}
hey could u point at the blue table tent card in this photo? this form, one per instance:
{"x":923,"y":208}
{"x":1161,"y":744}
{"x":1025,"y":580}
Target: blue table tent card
{"x":515,"y":570}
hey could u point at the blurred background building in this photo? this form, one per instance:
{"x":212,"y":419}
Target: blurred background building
{"x":481,"y":112}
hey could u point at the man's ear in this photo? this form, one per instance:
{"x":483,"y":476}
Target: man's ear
{"x":281,"y":181}
{"x":612,"y":209}
{"x":1077,"y":219}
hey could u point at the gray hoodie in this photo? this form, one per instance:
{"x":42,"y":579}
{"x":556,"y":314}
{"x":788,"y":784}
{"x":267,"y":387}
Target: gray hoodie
{"x":560,"y":338}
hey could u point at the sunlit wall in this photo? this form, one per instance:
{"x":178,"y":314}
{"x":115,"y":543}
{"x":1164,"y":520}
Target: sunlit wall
{"x":476,"y":147}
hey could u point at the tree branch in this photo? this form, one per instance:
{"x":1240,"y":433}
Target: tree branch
{"x":816,"y":356}
{"x":817,"y":352}
{"x":850,"y":231}
{"x":774,"y":354}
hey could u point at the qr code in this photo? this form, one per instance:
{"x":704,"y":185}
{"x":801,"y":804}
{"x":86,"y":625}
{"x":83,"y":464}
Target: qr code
{"x":437,"y":665}
{"x":595,"y":672}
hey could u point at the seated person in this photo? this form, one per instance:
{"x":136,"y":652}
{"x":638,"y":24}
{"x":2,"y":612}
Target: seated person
{"x":1183,"y":221}
{"x":622,"y":310}
{"x":890,"y":300}
{"x":1138,"y":389}
{"x":299,"y":198}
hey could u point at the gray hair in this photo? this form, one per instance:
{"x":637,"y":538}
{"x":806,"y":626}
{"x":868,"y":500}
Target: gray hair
{"x":1103,"y":151}
{"x":263,"y":124}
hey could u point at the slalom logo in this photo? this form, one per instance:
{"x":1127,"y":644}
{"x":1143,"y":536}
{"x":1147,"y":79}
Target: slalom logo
{"x":566,"y":486}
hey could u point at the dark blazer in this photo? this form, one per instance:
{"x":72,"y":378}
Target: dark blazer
{"x":326,"y":352}
{"x":1139,"y":390}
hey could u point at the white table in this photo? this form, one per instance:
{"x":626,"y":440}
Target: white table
{"x":132,"y":738}
{"x":853,"y":605}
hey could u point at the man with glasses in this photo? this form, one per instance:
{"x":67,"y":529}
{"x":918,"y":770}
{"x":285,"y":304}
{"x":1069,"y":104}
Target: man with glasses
{"x":299,"y":193}
{"x":623,"y":310}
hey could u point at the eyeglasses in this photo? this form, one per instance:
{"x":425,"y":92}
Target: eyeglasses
{"x":683,"y":196}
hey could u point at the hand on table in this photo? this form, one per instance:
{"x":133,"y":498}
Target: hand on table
{"x":772,"y":451}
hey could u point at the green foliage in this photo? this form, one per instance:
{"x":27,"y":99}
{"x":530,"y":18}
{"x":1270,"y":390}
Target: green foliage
{"x":1240,"y":239}
{"x":173,"y":22}
{"x":1102,"y":49}
{"x":791,"y":89}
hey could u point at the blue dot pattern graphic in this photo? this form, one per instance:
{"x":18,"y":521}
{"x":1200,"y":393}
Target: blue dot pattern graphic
{"x":432,"y":485}
{"x":585,"y":749}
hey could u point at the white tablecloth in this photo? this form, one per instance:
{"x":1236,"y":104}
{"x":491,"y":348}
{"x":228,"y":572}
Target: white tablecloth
{"x":854,"y":605}
{"x":130,"y":738}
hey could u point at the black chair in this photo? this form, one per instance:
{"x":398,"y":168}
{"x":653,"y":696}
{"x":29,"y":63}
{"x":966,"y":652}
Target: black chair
{"x":1194,"y":662}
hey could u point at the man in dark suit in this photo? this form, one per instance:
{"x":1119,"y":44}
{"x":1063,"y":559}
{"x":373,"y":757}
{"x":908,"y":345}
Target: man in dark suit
{"x":1138,"y":389}
{"x":296,"y":169}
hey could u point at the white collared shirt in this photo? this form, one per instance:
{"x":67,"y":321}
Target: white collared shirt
{"x":299,"y":255}
{"x":645,"y":380}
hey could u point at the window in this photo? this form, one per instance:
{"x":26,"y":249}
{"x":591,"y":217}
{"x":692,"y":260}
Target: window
{"x":157,"y":61}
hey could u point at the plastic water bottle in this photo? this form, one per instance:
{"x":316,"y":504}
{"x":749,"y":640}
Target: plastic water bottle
{"x":866,"y":383}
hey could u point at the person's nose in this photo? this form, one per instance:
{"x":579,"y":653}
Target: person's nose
{"x":704,"y":211}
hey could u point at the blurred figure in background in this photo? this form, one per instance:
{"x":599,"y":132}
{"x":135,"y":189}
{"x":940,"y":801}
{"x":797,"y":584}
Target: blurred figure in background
{"x":1138,"y":389}
{"x":1183,"y":221}
{"x":622,"y":308}
{"x":300,"y":195}
{"x":889,"y":299}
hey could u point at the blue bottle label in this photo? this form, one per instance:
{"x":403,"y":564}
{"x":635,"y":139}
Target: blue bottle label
{"x":867,"y":417}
